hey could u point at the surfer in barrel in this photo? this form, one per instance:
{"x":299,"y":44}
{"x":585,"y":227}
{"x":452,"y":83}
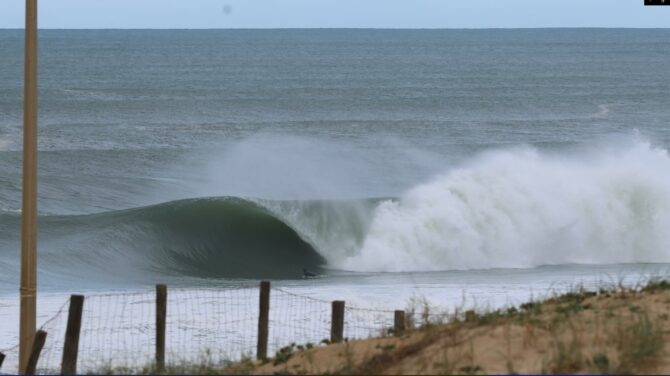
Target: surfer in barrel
{"x":307,"y":274}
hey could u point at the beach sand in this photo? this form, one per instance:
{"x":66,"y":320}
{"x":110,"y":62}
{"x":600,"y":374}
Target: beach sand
{"x":623,"y":331}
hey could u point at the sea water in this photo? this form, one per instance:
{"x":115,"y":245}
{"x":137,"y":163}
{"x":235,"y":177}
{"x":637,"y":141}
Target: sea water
{"x":469,"y":167}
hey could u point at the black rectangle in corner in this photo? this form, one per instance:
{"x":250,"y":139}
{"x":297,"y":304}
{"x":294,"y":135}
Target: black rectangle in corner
{"x":656,"y":2}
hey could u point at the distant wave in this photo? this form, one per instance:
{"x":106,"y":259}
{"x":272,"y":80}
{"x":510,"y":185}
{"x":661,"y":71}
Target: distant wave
{"x":603,"y":110}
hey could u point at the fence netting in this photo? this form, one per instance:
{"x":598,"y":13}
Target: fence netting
{"x":208,"y":327}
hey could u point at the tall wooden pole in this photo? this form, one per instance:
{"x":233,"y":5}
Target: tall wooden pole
{"x":29,"y":207}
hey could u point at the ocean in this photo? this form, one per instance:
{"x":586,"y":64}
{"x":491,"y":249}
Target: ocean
{"x":479,"y":165}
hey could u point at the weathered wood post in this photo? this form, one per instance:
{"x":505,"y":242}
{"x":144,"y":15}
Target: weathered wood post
{"x":263,"y":321}
{"x":27,"y":292}
{"x":161,"y":314}
{"x":398,"y":322}
{"x":2,"y":359}
{"x":71,"y":346}
{"x":38,"y":344}
{"x":337,"y":322}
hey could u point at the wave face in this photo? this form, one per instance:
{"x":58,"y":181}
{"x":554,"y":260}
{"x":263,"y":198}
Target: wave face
{"x":522,"y":208}
{"x":218,"y":237}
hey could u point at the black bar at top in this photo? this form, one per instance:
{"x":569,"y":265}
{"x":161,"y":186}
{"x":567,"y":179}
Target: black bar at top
{"x":656,"y":2}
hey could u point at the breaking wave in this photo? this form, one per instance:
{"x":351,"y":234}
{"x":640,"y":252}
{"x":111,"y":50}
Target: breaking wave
{"x":522,"y":208}
{"x":514,"y":208}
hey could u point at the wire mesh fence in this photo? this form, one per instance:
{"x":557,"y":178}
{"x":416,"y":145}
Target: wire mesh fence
{"x":204,"y":326}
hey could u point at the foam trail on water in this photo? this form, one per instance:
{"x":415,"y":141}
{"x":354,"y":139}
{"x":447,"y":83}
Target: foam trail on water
{"x":523,"y":208}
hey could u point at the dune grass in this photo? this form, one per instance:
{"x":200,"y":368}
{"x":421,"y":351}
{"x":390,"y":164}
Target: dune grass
{"x":612,"y":330}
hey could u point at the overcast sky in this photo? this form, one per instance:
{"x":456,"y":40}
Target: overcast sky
{"x":336,"y":13}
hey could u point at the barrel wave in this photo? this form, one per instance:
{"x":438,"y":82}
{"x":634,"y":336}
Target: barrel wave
{"x":209,"y":237}
{"x":514,"y":208}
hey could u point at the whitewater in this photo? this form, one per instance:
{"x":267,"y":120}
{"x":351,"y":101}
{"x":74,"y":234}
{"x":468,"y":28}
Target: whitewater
{"x":523,"y":208}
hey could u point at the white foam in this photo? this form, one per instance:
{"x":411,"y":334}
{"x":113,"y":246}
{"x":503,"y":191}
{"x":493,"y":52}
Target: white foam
{"x":523,"y":208}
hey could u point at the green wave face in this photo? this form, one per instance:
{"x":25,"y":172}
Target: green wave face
{"x":227,"y":238}
{"x":209,"y":238}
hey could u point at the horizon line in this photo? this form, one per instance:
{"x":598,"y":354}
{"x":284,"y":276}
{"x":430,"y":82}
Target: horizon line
{"x":346,"y":28}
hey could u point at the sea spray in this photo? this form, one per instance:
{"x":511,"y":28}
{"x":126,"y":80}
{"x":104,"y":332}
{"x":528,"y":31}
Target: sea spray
{"x":522,"y":208}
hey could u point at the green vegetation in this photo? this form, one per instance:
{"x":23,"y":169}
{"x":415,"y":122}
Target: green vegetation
{"x":601,"y":363}
{"x":639,"y":342}
{"x":656,"y":284}
{"x":284,"y":354}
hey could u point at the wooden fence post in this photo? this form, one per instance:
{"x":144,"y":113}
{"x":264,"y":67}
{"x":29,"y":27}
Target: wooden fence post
{"x":2,"y":359}
{"x":337,"y":322}
{"x":263,"y":321}
{"x":161,"y":314}
{"x":38,"y":344}
{"x":71,"y":346}
{"x":398,"y":322}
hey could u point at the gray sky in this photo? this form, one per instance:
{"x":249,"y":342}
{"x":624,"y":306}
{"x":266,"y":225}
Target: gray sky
{"x":337,"y":13}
